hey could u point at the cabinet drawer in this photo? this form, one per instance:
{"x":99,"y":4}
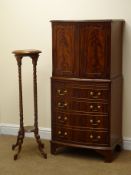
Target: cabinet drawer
{"x":90,"y":107}
{"x":82,"y":106}
{"x":90,"y":137}
{"x":87,"y":137}
{"x":80,"y":120}
{"x":91,"y":91}
{"x":96,"y":93}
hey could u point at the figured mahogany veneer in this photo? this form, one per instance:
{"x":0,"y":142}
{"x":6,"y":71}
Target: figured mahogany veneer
{"x":86,"y":85}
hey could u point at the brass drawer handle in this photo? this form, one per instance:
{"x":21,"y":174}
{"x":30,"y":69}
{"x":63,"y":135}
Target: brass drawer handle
{"x":95,"y":109}
{"x":91,"y":121}
{"x":59,"y":132}
{"x":59,"y":117}
{"x":95,"y":96}
{"x":60,"y":105}
{"x":65,"y":118}
{"x":60,"y":92}
{"x":91,"y":136}
{"x":95,"y":124}
{"x":98,"y":137}
{"x":65,"y":133}
{"x":98,"y":106}
{"x":91,"y":93}
{"x":99,"y":93}
{"x":62,"y":119}
{"x":95,"y":140}
{"x":98,"y":121}
{"x":91,"y":106}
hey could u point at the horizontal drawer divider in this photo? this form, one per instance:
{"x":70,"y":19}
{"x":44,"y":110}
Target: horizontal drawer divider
{"x":72,"y":111}
{"x":79,"y":127}
{"x":69,"y":112}
{"x":90,"y":100}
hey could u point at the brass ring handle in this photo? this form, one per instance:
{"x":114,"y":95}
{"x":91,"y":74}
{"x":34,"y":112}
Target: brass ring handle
{"x":60,"y":118}
{"x":94,"y":124}
{"x":60,"y":105}
{"x":95,"y":96}
{"x":97,"y":139}
{"x":95,"y":110}
{"x":61,"y":93}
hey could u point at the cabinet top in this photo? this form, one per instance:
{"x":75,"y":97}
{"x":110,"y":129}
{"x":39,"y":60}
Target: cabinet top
{"x":95,"y":20}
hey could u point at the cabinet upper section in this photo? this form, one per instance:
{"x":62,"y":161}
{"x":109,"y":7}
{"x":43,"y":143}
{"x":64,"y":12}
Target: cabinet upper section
{"x":87,"y":49}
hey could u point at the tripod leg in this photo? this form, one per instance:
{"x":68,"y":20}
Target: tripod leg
{"x":40,"y":145}
{"x":19,"y":144}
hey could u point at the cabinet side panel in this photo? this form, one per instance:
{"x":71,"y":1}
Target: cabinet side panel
{"x":116,"y":48}
{"x":116,"y":111}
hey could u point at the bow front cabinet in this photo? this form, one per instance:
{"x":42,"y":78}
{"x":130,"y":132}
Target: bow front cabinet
{"x":86,"y":85}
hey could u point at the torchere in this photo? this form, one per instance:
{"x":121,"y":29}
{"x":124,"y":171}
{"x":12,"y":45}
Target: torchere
{"x":33,"y":54}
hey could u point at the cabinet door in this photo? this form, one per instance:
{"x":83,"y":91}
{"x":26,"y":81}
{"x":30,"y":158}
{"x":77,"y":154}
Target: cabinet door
{"x":65,"y":40}
{"x":94,"y":50}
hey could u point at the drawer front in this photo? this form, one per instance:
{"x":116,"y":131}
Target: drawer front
{"x":82,"y":106}
{"x":90,"y":107}
{"x":81,"y":91}
{"x":78,"y":120}
{"x":91,"y":93}
{"x":87,"y":137}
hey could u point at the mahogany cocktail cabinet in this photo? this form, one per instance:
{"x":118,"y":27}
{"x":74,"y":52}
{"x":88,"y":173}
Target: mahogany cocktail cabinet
{"x":86,"y":85}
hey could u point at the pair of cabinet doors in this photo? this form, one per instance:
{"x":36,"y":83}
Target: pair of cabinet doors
{"x":81,"y":50}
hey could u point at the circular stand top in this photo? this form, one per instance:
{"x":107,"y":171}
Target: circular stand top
{"x":27,"y":52}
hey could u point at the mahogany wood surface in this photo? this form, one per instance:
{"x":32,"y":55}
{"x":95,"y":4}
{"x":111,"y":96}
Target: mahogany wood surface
{"x":86,"y":85}
{"x":33,"y":54}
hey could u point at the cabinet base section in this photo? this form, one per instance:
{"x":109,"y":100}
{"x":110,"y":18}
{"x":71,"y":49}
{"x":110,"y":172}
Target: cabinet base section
{"x":109,"y":153}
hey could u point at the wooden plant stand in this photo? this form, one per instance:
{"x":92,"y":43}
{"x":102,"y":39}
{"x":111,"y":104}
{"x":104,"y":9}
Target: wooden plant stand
{"x":33,"y":54}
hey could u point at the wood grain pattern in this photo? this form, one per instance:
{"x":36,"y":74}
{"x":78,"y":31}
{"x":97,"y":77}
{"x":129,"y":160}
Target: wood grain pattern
{"x":86,"y":86}
{"x":94,"y":46}
{"x":64,"y":50}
